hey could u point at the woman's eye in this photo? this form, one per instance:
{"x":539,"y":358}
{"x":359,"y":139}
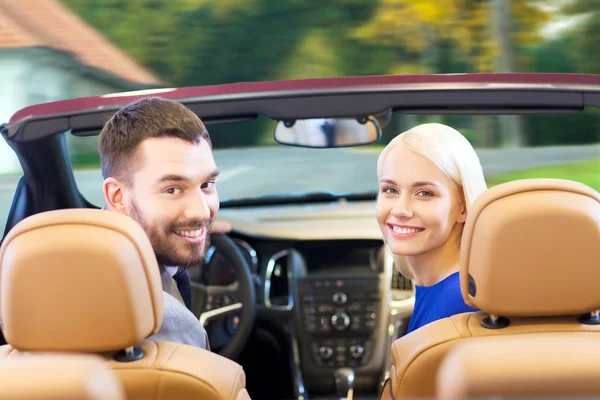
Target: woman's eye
{"x":390,"y":191}
{"x":424,"y":193}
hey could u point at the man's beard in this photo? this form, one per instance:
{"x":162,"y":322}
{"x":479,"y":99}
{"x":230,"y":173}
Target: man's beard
{"x":167,"y":254}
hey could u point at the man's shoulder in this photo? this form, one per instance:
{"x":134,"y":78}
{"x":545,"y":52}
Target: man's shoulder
{"x":180,"y":325}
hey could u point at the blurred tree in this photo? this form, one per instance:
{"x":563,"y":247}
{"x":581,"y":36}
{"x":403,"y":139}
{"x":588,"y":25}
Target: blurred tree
{"x":419,"y":27}
{"x":505,"y":61}
{"x":203,"y":42}
{"x":144,"y":29}
{"x":482,"y":31}
{"x":560,"y":55}
{"x":587,"y":33}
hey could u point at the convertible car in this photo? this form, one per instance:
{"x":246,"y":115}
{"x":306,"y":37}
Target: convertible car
{"x":302,"y":293}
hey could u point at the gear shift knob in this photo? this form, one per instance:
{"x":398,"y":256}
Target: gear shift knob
{"x":344,"y":382}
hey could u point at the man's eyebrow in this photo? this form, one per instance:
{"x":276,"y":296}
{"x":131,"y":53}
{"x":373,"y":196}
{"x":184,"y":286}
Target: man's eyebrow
{"x":214,"y":173}
{"x":171,"y":178}
{"x":180,"y":178}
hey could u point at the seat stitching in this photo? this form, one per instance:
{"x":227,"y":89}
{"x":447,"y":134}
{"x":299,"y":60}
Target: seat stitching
{"x":237,"y":378}
{"x":417,"y":355}
{"x":187,"y":373}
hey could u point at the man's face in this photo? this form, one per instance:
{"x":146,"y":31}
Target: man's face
{"x":174,"y":198}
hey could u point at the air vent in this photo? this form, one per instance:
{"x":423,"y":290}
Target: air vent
{"x":277,"y":281}
{"x":399,"y":282}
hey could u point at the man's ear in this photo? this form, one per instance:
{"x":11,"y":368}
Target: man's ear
{"x":114,"y":195}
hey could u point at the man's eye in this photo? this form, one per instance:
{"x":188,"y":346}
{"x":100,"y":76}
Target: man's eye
{"x":207,"y":185}
{"x":173,"y":191}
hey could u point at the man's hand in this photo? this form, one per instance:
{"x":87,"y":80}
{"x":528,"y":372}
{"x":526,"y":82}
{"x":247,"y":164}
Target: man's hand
{"x":220,"y":227}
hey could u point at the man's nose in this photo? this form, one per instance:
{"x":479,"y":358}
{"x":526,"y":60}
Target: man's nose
{"x":197,"y":208}
{"x":402,"y":208}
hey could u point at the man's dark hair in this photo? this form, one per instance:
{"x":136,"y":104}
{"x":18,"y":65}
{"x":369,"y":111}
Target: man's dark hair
{"x":150,"y":117}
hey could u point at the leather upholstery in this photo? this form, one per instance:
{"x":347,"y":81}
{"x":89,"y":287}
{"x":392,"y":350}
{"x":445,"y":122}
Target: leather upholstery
{"x":54,"y":377}
{"x":524,"y":238}
{"x":549,"y":365}
{"x":90,"y":268}
{"x":532,"y":249}
{"x":171,"y":370}
{"x":87,"y":281}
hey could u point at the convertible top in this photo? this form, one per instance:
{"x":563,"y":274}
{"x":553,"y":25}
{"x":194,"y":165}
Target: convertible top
{"x":484,"y":93}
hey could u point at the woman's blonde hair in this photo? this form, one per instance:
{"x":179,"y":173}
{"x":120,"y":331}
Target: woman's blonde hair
{"x":451,"y":152}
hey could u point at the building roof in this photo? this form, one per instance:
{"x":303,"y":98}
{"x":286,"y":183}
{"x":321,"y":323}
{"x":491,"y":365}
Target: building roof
{"x":50,"y":24}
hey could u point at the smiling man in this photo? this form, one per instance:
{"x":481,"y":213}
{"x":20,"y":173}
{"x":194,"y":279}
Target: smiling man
{"x":159,"y":169}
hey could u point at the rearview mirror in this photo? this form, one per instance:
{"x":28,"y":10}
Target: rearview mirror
{"x":328,"y":132}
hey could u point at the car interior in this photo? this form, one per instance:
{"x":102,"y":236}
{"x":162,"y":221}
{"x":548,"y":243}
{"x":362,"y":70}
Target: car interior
{"x":100,"y":271}
{"x":509,"y":242}
{"x":550,"y":365}
{"x":58,"y":376}
{"x":301,"y":300}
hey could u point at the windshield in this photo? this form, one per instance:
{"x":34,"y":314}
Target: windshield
{"x":254,"y":166}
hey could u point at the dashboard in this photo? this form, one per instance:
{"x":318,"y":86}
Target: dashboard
{"x":325,"y":268}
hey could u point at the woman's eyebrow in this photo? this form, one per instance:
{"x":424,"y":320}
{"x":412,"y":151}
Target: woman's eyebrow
{"x":425,"y":183}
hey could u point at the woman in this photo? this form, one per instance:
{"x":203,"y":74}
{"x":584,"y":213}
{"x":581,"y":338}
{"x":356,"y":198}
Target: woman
{"x":428,"y":177}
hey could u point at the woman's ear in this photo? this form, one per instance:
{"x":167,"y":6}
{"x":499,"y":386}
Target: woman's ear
{"x":113,"y":195}
{"x":462,"y":217}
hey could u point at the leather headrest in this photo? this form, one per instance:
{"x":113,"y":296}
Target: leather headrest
{"x":535,"y":365}
{"x":58,"y":376}
{"x":78,"y":280}
{"x":532,"y":248}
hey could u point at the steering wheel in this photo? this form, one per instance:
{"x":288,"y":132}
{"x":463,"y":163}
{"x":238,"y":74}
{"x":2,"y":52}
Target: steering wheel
{"x":216,"y":302}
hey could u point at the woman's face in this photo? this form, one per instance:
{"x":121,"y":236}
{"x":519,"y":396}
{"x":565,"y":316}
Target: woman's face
{"x":418,"y":206}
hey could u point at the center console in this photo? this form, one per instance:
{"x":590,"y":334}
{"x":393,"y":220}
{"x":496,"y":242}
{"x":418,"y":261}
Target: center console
{"x":341,"y":293}
{"x":339,"y":316}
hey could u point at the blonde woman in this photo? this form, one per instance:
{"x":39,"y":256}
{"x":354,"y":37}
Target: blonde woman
{"x":428,"y":177}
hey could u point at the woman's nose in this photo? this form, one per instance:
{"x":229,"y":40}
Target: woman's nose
{"x":402,"y":208}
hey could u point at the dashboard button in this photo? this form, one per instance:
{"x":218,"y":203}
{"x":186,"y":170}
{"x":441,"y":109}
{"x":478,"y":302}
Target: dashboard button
{"x":309,"y":310}
{"x":356,"y":351}
{"x":325,"y":308}
{"x":308,"y":299}
{"x":325,"y":352}
{"x":340,"y":321}
{"x":340,"y":298}
{"x":371,"y":308}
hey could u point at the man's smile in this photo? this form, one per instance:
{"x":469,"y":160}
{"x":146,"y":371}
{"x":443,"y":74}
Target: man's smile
{"x":191,"y":235}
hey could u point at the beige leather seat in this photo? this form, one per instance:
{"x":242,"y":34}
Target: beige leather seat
{"x":58,"y":377}
{"x":87,"y":281}
{"x":538,"y":365}
{"x":530,"y":261}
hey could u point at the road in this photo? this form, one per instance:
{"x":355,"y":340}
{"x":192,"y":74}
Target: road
{"x":255,"y":172}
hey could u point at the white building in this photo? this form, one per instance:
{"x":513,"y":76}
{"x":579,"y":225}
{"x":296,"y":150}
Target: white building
{"x":47,"y":53}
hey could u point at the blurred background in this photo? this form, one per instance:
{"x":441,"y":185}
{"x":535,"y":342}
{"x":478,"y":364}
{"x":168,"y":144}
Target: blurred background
{"x":53,"y":50}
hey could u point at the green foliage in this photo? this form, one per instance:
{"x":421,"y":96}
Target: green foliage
{"x":586,"y":35}
{"x":204,"y":42}
{"x":580,"y":128}
{"x":586,"y":172}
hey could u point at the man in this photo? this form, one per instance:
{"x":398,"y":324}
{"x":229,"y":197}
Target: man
{"x":159,"y":169}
